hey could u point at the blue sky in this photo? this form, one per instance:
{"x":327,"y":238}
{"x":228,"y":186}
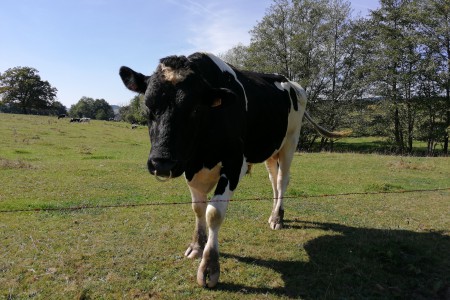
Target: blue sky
{"x":79,"y":45}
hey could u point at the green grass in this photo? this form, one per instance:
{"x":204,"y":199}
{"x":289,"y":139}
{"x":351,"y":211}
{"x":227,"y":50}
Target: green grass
{"x":378,"y":144}
{"x":376,"y":246}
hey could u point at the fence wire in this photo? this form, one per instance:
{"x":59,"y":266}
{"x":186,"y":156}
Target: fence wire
{"x":131,"y":205}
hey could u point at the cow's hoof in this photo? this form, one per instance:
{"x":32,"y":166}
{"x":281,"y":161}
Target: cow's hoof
{"x":209,"y":269}
{"x":208,"y":276}
{"x":276,"y":220}
{"x":193,"y":251}
{"x":276,"y":226}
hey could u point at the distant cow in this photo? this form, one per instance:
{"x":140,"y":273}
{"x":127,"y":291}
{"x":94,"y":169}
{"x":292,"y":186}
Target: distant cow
{"x":72,"y":120}
{"x":62,"y":116}
{"x":211,"y":121}
{"x":85,"y":120}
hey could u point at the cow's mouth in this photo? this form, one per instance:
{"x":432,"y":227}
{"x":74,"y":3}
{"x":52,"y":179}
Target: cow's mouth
{"x":164,"y":169}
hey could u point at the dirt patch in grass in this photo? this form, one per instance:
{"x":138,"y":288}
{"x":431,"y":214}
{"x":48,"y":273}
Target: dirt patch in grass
{"x":8,"y":164}
{"x":404,"y":164}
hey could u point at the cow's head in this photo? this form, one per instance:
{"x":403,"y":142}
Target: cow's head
{"x":179,"y":100}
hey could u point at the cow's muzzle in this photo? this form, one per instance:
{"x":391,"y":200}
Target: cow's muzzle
{"x":163,"y":179}
{"x":161,"y":168}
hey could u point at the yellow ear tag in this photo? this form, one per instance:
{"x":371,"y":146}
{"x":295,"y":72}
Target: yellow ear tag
{"x":216,"y":102}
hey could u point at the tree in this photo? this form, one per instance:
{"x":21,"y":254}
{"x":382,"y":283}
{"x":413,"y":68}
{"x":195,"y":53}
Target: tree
{"x":87,"y":107}
{"x":83,"y":108}
{"x":272,"y":41}
{"x":24,"y":87}
{"x":435,"y":27}
{"x":136,"y":112}
{"x":102,"y":109}
{"x":58,"y":108}
{"x":394,"y":65}
{"x":237,"y":56}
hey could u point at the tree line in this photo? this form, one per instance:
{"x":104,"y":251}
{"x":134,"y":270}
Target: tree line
{"x":387,"y":74}
{"x":23,"y":91}
{"x":389,"y":71}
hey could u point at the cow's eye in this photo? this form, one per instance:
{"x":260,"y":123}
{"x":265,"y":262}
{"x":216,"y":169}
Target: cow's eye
{"x":194,"y":112}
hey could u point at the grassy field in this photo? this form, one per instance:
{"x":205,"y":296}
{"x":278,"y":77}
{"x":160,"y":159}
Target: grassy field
{"x":386,"y":245}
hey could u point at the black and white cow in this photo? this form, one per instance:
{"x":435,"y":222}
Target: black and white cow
{"x":211,"y":121}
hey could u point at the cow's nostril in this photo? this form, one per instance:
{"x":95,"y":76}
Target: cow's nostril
{"x":161,"y":166}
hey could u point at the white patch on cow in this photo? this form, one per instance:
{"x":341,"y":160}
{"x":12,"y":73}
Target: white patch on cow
{"x":244,"y":168}
{"x":302,"y":97}
{"x":205,"y":179}
{"x":301,"y":94}
{"x":224,"y":67}
{"x":284,"y":86}
{"x":174,"y":76}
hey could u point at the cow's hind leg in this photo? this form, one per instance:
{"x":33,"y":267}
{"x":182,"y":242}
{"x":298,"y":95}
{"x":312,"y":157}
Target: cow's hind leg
{"x":272,"y":168}
{"x":285,"y":157}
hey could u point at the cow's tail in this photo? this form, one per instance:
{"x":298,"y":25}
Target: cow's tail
{"x":324,"y":132}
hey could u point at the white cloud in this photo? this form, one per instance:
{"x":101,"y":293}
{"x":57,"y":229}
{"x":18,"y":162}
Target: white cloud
{"x":214,"y":26}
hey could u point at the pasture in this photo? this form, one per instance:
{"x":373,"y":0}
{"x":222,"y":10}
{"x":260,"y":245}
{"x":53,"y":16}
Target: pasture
{"x":385,"y":244}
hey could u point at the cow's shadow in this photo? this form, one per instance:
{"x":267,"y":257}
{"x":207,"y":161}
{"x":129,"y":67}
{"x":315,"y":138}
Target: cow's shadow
{"x":359,"y":263}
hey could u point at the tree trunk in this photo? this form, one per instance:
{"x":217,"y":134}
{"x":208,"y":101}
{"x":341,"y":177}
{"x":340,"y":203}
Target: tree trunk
{"x":445,"y":149}
{"x":397,"y":131}
{"x":447,"y":90}
{"x":410,"y":127}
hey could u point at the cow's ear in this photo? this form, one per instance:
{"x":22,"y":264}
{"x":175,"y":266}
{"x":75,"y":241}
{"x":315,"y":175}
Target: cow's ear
{"x":134,"y":81}
{"x":222,"y":98}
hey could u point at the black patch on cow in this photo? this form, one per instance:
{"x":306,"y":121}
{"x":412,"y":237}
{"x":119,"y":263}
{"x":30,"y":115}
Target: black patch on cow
{"x":175,"y":62}
{"x":267,"y":115}
{"x":221,"y":186}
{"x":294,"y":99}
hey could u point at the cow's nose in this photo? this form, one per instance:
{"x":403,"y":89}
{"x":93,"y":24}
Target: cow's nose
{"x":161,"y":166}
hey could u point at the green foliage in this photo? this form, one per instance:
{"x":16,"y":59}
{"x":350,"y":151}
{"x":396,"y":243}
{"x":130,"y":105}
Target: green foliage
{"x":135,"y":112}
{"x":97,"y":109}
{"x":22,"y":87}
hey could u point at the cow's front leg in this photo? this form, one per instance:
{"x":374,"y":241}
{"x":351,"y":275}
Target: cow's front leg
{"x":195,"y":249}
{"x":209,"y":269}
{"x":200,"y":185}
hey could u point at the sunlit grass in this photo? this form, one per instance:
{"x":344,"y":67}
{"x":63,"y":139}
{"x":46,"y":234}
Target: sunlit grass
{"x":383,"y":246}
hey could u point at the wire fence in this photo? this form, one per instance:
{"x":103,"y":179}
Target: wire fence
{"x":131,"y":205}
